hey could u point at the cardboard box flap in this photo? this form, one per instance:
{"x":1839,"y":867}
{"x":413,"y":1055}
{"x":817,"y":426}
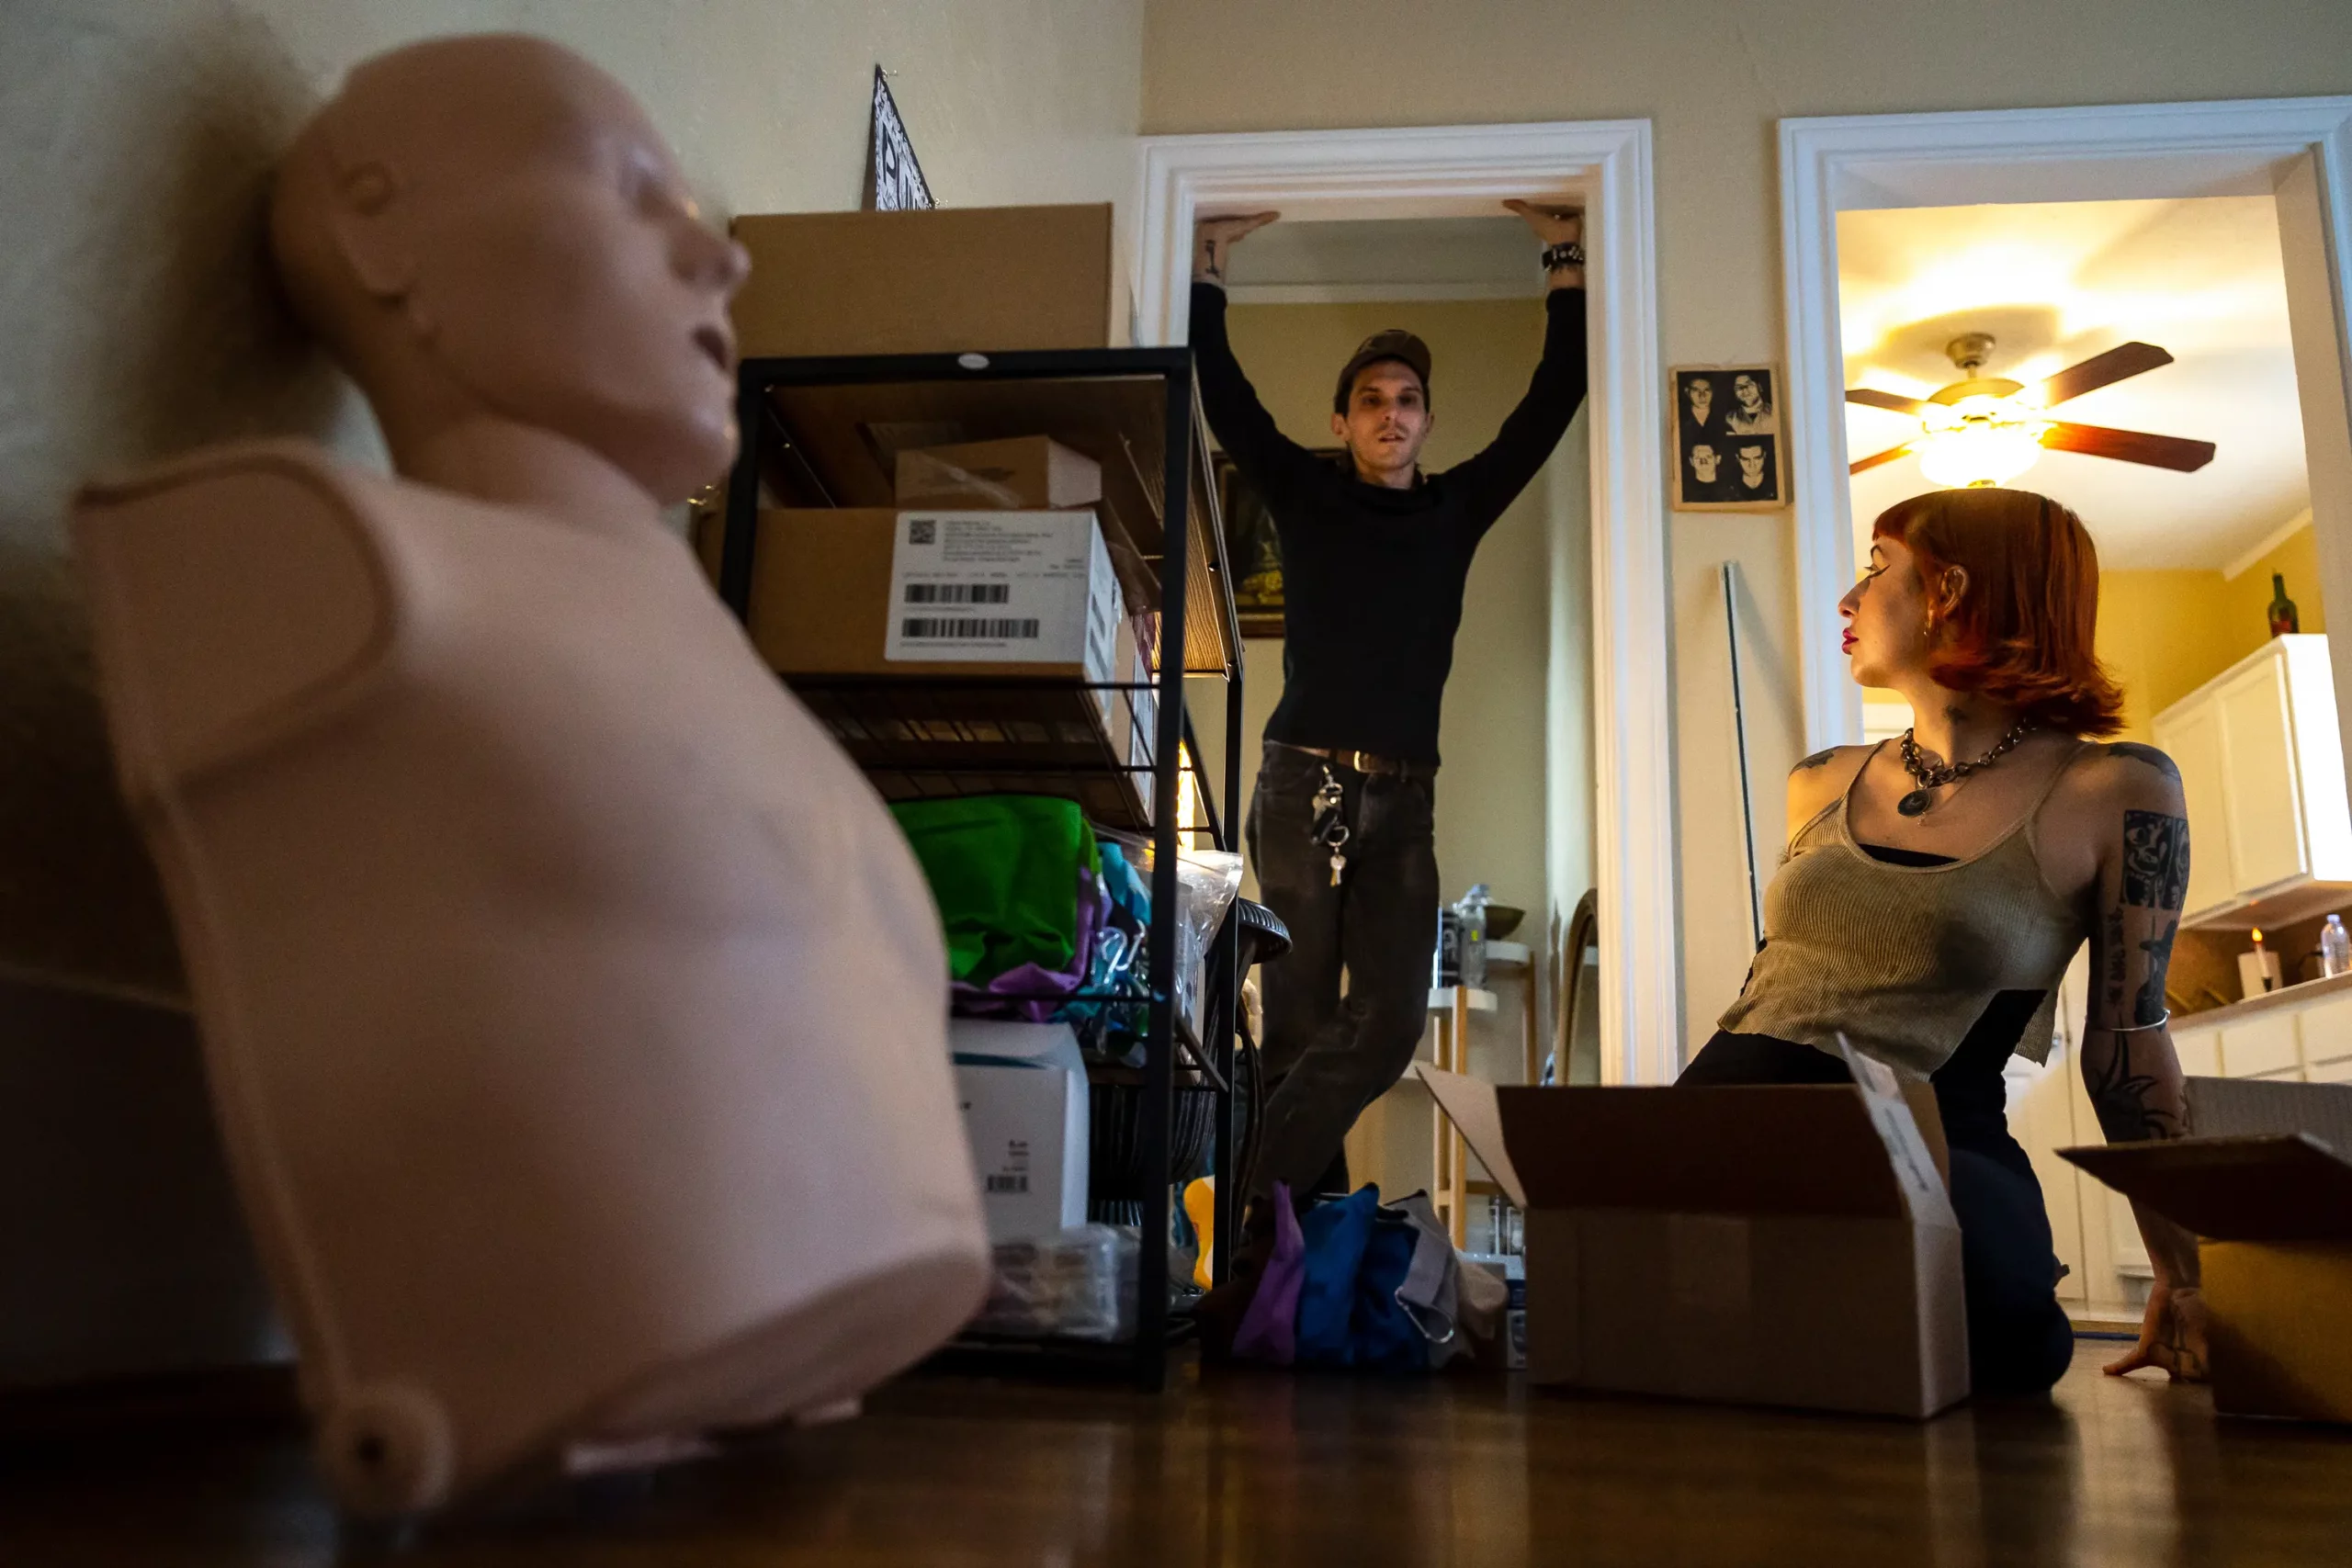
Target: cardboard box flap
{"x":2246,"y":1108}
{"x":1798,"y":1150}
{"x":1469,"y":1104}
{"x":2278,"y":1188}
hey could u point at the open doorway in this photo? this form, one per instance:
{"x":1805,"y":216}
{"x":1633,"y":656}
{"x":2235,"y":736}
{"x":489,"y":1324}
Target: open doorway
{"x":1604,"y":564}
{"x":2159,"y":288}
{"x":1302,"y":295}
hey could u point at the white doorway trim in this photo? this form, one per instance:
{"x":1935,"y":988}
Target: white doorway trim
{"x":1828,"y":166}
{"x":1466,"y":171}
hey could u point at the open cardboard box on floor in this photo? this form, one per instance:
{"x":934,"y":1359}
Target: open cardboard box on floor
{"x":1788,"y":1246}
{"x":2267,"y":1186}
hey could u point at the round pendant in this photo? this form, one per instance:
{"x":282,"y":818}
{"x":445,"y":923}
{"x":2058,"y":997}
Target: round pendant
{"x":1916,"y":803}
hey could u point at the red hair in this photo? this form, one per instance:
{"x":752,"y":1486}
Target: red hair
{"x":2023,"y":629}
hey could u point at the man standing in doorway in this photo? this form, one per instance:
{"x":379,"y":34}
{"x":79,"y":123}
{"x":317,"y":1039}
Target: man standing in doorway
{"x":1375,"y":554}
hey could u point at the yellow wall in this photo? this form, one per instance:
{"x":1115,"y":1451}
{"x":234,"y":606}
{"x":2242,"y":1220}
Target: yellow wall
{"x":137,"y":133}
{"x":1491,"y":797}
{"x":2163,"y":634}
{"x":1714,"y":77}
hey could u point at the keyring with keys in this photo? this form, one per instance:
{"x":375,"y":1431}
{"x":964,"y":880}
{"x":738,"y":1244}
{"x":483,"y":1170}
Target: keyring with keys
{"x":1330,"y":828}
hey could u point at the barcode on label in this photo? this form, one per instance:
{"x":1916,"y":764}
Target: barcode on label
{"x":1008,"y":1184}
{"x":1012,"y":630}
{"x":959,"y":592}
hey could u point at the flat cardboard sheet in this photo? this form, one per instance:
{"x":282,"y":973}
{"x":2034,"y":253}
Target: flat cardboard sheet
{"x":2279,"y":1188}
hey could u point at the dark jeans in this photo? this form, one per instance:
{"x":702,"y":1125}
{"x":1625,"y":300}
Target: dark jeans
{"x":1327,"y":1055}
{"x":2019,"y":1340}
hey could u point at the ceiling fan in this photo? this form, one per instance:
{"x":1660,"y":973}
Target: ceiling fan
{"x":1985,"y":430}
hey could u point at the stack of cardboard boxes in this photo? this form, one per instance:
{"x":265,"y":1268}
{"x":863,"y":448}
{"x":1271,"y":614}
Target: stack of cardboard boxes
{"x":971,"y":634}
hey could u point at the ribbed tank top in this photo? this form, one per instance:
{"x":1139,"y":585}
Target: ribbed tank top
{"x":1905,"y":959}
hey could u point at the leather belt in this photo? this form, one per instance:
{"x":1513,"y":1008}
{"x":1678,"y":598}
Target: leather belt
{"x":1367,"y":763}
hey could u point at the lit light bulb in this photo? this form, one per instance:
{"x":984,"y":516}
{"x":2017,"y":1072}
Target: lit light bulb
{"x":1980,"y":440}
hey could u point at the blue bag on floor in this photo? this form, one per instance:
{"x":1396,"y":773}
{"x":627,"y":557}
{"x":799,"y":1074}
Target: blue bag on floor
{"x":1382,"y":1334}
{"x":1335,"y":1234}
{"x":1358,"y":1256}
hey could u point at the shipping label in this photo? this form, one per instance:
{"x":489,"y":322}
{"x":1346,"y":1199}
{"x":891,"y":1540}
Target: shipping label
{"x":1001,"y":586}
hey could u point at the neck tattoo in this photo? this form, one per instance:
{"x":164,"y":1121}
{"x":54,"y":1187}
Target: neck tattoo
{"x":1932,"y":776}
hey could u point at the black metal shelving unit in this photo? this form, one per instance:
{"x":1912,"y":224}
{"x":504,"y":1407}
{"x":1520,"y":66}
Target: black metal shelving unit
{"x":809,"y":439}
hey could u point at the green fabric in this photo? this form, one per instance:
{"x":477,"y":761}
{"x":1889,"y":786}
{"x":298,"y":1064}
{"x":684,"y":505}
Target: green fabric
{"x":1003,"y":869}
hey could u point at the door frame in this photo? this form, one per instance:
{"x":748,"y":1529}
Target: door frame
{"x":1466,"y":170}
{"x":2161,"y":150}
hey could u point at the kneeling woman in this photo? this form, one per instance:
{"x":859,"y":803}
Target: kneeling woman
{"x":1935,"y":888}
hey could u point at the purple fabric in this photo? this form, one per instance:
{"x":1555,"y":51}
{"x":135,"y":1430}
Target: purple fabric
{"x":1033,"y":994}
{"x":1269,"y":1330}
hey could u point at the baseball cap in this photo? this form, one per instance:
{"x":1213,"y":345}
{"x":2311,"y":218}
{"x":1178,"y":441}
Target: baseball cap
{"x":1394,"y":343}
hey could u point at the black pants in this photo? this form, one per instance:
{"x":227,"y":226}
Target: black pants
{"x":2019,"y":1340}
{"x":1327,"y":1055}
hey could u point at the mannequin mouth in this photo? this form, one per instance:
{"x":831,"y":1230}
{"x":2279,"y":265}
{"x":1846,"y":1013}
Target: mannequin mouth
{"x":714,"y":343}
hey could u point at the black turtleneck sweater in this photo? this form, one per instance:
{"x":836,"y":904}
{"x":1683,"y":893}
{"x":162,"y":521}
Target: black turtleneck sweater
{"x":1372,"y":577}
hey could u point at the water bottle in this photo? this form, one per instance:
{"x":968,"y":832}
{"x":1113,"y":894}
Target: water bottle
{"x":2335,"y":948}
{"x":1472,"y":910}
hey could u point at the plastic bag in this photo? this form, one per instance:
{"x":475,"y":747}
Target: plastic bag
{"x":1079,"y":1284}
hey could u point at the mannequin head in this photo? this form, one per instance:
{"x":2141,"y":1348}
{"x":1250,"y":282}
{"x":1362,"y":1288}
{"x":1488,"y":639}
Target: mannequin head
{"x":492,"y":240}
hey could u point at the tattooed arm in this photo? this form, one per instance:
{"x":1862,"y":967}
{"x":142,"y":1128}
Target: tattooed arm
{"x":2130,"y":1069}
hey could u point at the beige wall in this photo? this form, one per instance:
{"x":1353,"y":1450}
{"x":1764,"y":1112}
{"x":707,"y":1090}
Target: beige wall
{"x":135,"y":135}
{"x":1490,"y":797}
{"x":1714,"y":77}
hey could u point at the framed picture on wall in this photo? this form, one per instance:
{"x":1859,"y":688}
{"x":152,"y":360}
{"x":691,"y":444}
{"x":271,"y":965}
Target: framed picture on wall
{"x":1728,"y":454}
{"x":1253,"y":548}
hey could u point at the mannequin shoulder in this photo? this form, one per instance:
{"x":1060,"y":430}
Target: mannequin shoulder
{"x":1821,"y":778}
{"x":226,"y":587}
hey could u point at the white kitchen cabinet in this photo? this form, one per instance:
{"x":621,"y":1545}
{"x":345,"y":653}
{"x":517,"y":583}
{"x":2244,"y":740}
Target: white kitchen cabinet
{"x":2261,"y":1046}
{"x":2261,"y":761}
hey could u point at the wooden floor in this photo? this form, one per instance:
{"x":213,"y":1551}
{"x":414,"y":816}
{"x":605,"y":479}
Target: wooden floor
{"x":1233,"y":1469}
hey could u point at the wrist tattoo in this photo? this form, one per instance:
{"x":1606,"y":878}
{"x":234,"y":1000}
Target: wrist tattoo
{"x":2119,"y":1096}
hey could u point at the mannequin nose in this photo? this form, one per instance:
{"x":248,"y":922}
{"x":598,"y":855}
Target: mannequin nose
{"x":712,"y":259}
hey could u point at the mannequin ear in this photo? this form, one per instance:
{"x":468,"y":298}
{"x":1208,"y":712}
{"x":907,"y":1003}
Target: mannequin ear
{"x":366,"y":221}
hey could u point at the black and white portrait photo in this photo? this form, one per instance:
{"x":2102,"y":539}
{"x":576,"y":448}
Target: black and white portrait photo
{"x":1727,"y":438}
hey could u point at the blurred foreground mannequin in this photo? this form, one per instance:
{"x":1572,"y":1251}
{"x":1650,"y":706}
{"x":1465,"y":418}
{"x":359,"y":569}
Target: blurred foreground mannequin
{"x":573,"y":1010}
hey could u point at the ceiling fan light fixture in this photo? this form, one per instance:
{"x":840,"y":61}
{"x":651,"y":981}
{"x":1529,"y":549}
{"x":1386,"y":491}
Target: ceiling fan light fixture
{"x":1979,"y":440}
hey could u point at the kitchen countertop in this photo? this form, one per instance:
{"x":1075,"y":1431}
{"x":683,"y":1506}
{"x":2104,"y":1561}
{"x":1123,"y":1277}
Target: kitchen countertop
{"x":2285,"y":996}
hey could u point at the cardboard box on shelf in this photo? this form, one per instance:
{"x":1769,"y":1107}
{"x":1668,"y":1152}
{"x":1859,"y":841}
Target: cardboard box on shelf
{"x":836,"y":594}
{"x":864,"y":591}
{"x":1032,"y":473}
{"x":1023,"y":1091}
{"x":1764,"y":1246}
{"x":2267,"y":1186}
{"x":948,"y":280}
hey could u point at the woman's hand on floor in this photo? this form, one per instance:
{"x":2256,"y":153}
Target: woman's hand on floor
{"x":2172,"y":1335}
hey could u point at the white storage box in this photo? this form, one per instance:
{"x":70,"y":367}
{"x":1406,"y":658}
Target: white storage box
{"x":1022,"y":1090}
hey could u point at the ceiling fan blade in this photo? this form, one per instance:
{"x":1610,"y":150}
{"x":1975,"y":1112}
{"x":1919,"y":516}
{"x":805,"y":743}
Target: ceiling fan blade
{"x":1875,"y":459}
{"x":1872,"y":397}
{"x":2130,"y":446}
{"x":2099,"y":370}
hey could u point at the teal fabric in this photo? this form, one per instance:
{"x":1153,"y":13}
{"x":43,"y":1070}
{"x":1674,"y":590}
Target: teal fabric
{"x":1004,"y":872}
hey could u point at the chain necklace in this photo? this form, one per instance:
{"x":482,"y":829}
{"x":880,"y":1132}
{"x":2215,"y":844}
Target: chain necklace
{"x":1934,"y":776}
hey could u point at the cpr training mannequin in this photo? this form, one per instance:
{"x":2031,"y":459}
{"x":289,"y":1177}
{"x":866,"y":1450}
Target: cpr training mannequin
{"x":574,"y":1012}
